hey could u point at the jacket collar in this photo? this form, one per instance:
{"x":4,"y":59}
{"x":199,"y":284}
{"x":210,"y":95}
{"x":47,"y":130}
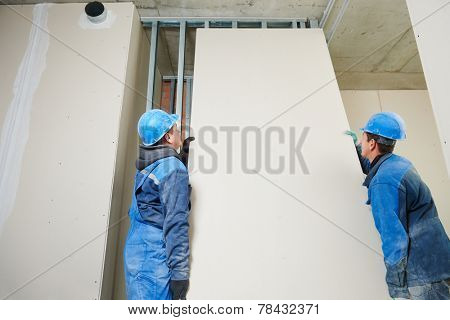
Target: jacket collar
{"x":373,"y":170}
{"x":151,"y":154}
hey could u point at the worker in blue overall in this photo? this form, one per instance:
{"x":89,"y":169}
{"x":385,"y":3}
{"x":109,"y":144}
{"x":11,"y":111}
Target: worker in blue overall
{"x":156,"y":254}
{"x":415,"y":245}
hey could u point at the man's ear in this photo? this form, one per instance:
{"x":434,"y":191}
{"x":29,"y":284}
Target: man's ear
{"x":167,"y":137}
{"x":372,"y":144}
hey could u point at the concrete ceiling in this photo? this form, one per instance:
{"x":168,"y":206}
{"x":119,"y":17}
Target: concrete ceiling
{"x":373,"y":46}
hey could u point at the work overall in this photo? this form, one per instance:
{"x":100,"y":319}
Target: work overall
{"x":147,"y":275}
{"x":157,"y":247}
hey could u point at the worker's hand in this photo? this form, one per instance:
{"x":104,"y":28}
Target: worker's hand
{"x":179,"y":289}
{"x":353,"y":135}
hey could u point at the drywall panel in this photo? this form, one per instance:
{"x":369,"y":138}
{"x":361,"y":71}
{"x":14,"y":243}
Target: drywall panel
{"x":134,"y":103}
{"x":135,"y":98}
{"x":53,"y":239}
{"x":422,"y":145}
{"x":430,"y":24}
{"x":270,"y":231}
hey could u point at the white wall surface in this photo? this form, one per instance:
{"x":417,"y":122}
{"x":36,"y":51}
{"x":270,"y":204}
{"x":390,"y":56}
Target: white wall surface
{"x":53,"y":240}
{"x":422,"y":146}
{"x":286,"y":235}
{"x":430,"y":24}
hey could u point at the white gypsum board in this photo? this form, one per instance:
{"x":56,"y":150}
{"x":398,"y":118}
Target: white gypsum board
{"x":278,"y":233}
{"x":430,"y":24}
{"x":53,"y":241}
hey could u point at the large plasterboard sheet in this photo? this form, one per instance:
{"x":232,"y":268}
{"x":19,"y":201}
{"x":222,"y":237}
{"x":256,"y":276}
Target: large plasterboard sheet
{"x":430,"y":25}
{"x":53,"y":241}
{"x":302,"y":231}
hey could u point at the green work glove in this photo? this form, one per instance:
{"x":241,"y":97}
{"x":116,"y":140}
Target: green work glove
{"x":353,"y":135}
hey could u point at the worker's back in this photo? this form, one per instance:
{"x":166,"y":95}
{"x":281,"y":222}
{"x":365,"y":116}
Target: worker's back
{"x":157,"y":245}
{"x":428,"y":256}
{"x":148,"y":194}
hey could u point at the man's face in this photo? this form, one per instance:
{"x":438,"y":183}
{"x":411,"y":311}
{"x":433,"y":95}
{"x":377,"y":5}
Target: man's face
{"x":173,"y":137}
{"x":367,"y":146}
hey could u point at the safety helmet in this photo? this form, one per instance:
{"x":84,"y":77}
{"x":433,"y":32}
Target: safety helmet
{"x":154,"y":124}
{"x":387,"y":125}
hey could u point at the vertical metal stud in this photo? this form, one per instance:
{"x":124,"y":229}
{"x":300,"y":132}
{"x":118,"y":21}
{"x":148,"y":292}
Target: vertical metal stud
{"x":152,"y":66}
{"x":180,"y":76}
{"x":234,"y":24}
{"x":188,"y":107}
{"x":206,"y":24}
{"x":294,"y":24}
{"x":172,"y":96}
{"x":264,"y":24}
{"x":302,"y":24}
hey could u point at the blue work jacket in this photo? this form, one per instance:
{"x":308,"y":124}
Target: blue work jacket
{"x":157,"y":246}
{"x":415,"y":245}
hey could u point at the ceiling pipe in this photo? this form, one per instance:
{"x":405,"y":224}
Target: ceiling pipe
{"x":337,"y":21}
{"x":95,"y":12}
{"x":326,"y":13}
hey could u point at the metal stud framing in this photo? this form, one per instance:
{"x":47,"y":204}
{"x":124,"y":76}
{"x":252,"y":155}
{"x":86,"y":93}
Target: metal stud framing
{"x":152,"y":66}
{"x":180,"y":79}
{"x":183,"y":23}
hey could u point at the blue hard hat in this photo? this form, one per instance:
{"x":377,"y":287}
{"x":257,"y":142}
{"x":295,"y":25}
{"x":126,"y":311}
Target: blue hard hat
{"x":387,"y":125}
{"x":154,"y":124}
